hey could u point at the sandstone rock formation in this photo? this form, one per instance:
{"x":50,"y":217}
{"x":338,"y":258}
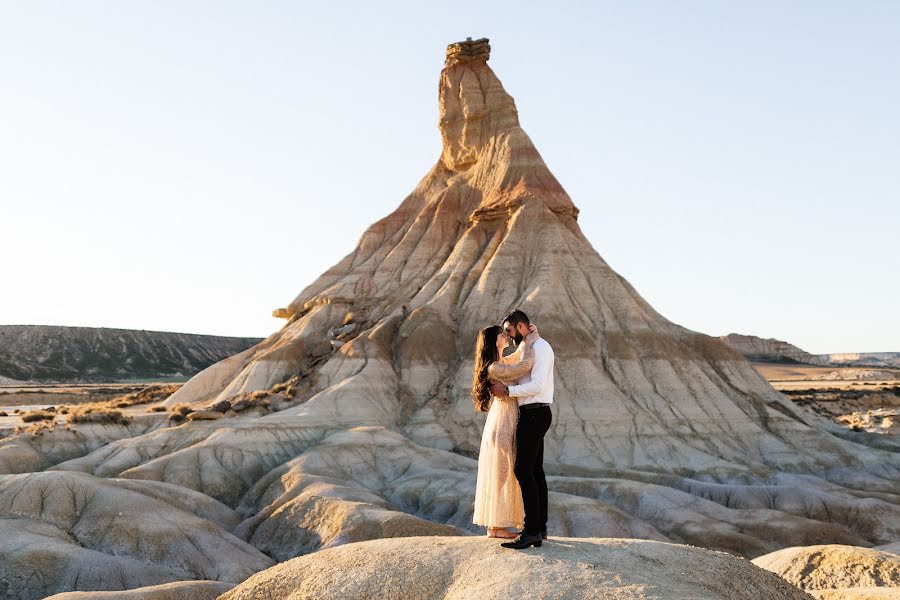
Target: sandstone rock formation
{"x":658,"y":433}
{"x":640,"y":401}
{"x":464,"y":568}
{"x":66,"y":354}
{"x":70,"y":531}
{"x":834,"y":571}
{"x":28,"y":453}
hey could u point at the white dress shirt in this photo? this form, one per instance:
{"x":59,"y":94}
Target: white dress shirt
{"x":537,"y":387}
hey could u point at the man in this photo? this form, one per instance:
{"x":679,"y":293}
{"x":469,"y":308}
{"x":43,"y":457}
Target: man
{"x":534,"y":394}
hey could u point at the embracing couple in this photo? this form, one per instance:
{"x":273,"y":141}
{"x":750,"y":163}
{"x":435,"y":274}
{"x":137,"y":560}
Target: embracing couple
{"x":516,"y":391}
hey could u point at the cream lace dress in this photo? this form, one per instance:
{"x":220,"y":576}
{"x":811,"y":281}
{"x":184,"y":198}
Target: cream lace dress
{"x":498,"y":497}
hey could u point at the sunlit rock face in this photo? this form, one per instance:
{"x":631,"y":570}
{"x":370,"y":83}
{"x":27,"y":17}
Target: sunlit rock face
{"x":488,"y":229}
{"x":834,"y":572}
{"x":658,"y":432}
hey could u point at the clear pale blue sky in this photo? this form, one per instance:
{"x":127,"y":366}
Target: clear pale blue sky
{"x":189,"y":166}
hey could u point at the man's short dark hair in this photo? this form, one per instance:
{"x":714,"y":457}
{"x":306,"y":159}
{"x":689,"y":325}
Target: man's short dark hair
{"x":516,"y":317}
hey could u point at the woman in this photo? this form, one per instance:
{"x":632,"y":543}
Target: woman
{"x":498,"y":498}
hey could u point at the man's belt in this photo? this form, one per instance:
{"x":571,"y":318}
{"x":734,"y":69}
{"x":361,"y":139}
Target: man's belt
{"x":534,"y":405}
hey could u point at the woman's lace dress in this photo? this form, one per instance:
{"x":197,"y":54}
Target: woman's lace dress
{"x":498,"y":498}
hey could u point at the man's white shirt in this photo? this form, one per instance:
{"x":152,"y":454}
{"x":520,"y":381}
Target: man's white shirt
{"x":538,"y":386}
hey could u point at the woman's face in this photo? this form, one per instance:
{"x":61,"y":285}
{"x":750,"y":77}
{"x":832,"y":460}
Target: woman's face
{"x":502,"y":342}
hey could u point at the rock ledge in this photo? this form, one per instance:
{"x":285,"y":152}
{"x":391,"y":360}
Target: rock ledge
{"x":449,"y":568}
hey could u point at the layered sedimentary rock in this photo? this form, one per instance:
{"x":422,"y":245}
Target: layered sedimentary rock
{"x":658,"y":432}
{"x":69,"y":531}
{"x":647,"y":413}
{"x":489,"y":228}
{"x":65,"y":354}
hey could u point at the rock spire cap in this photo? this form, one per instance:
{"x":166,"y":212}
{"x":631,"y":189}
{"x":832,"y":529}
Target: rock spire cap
{"x":468,"y":51}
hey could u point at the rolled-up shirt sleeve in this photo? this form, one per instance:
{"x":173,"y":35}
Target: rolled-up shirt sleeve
{"x":540,"y":374}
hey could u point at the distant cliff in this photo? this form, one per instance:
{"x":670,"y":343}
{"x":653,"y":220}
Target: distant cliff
{"x":772,"y":350}
{"x":47,"y":353}
{"x":864,"y":359}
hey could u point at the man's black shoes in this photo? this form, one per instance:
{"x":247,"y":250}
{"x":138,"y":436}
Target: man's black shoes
{"x":524,"y":540}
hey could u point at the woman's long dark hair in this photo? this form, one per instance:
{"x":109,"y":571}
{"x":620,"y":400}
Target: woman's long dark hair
{"x":485,"y":354}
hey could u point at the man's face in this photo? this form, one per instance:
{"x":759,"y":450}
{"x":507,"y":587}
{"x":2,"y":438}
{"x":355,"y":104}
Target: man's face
{"x":513,"y":332}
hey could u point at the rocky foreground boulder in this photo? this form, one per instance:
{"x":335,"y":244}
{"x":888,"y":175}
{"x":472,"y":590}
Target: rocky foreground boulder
{"x":177,"y":590}
{"x":565,"y":568}
{"x":832,"y":571}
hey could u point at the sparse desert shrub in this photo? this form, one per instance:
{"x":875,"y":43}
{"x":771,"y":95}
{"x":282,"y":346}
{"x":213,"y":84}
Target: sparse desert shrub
{"x":151,"y":393}
{"x":94,"y":415}
{"x":3,"y":413}
{"x":221,"y":406}
{"x":288,"y":387}
{"x":157,"y":408}
{"x":40,"y":427}
{"x":252,"y":400}
{"x":36,"y":415}
{"x":259,"y":394}
{"x":182,"y":409}
{"x":176,"y":417}
{"x":242,"y":404}
{"x":106,"y":411}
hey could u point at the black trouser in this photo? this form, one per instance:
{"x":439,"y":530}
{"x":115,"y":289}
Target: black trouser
{"x":533,"y":424}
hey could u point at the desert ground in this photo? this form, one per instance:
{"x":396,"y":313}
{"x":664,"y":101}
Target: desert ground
{"x":799,"y":376}
{"x":860,"y":399}
{"x":855,"y":398}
